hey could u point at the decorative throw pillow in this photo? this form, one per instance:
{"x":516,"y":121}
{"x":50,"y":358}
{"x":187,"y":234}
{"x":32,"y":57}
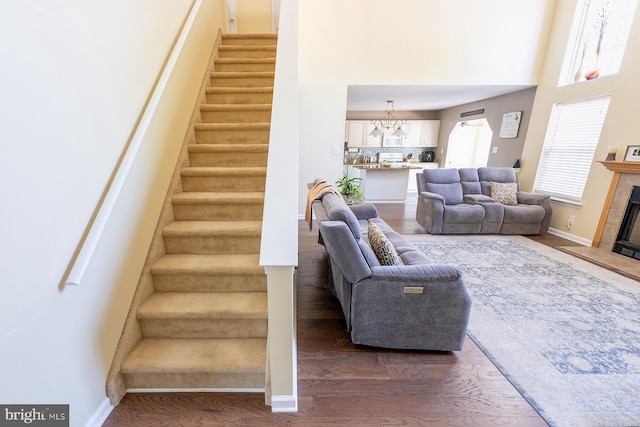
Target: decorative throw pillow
{"x":504,"y":192}
{"x":382,"y":246}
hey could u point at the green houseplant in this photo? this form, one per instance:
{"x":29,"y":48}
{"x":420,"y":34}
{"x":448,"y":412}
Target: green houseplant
{"x":350,"y":189}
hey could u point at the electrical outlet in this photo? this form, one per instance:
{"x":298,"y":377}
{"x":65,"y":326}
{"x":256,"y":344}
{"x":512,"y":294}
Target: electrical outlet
{"x":570,"y":221}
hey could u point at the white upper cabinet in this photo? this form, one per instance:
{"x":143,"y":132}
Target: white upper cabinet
{"x":357,"y":134}
{"x":422,"y":133}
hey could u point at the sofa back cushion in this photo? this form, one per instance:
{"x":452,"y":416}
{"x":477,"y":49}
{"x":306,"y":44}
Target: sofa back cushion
{"x":337,"y":210}
{"x":487,"y":175}
{"x":445,"y":182}
{"x":344,"y":250}
{"x":469,"y":181}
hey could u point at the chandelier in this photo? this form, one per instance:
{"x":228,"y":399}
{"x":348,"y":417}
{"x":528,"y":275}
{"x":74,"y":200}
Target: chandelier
{"x":389,"y":121}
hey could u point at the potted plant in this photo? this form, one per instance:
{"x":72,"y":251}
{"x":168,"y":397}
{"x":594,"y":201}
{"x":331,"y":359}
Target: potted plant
{"x":350,"y":189}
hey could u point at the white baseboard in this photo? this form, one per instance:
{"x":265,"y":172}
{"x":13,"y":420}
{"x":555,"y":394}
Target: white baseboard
{"x":195,"y":390}
{"x":284,"y":404}
{"x":573,"y":238}
{"x":100,"y":415}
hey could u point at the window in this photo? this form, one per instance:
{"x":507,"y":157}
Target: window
{"x":569,"y":145}
{"x":598,"y":38}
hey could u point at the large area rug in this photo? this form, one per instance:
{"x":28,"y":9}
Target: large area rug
{"x":565,"y":332}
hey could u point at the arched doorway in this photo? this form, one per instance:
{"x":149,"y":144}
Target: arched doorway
{"x":469,"y":144}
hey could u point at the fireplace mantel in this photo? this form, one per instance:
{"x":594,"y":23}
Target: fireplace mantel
{"x":618,"y":168}
{"x":622,"y":167}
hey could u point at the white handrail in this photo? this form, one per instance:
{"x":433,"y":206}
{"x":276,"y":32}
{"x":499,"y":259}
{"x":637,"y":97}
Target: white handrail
{"x":90,"y":242}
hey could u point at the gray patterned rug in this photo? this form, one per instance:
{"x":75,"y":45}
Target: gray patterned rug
{"x":565,"y":332}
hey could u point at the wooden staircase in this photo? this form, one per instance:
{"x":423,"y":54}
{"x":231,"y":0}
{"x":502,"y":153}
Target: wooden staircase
{"x":205,"y":324}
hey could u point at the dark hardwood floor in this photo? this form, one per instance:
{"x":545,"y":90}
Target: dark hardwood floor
{"x":340,"y":383}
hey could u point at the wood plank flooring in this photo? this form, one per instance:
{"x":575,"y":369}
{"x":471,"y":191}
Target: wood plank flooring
{"x":340,"y":383}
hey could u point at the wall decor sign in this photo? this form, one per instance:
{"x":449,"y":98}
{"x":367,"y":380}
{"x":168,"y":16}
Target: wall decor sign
{"x":632,"y":154}
{"x":472,"y":113}
{"x":510,"y":124}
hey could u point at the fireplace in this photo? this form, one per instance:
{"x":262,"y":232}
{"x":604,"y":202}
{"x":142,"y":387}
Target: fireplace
{"x":628,"y":241}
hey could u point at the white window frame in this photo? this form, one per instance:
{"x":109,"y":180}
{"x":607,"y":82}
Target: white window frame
{"x":572,"y":136}
{"x":580,"y":57}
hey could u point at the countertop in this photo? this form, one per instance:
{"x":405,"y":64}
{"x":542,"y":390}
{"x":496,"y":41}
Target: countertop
{"x":392,"y":166}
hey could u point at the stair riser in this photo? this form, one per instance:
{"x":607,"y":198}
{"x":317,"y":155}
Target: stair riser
{"x":252,"y":116}
{"x":229,"y":159}
{"x":244,"y":53}
{"x":241,"y":67}
{"x":215,"y":212}
{"x":223,"y":184}
{"x":195,"y":380}
{"x":232,"y":137}
{"x":239,"y":98}
{"x":241,"y":81}
{"x":204,"y":328}
{"x":217,"y":283}
{"x":212,"y":245}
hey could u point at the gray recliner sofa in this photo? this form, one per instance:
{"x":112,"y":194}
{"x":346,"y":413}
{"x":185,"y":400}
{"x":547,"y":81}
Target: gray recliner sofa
{"x":460,"y":201}
{"x":414,"y":304}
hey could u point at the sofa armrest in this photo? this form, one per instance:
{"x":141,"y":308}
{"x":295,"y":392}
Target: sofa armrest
{"x":364,"y":211}
{"x":531,"y":198}
{"x":417,"y":307}
{"x":475,"y":199}
{"x":415,"y":273}
{"x":543,"y":200}
{"x":430,"y":212}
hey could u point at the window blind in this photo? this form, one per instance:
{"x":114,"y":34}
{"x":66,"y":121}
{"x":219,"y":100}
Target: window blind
{"x":569,"y":146}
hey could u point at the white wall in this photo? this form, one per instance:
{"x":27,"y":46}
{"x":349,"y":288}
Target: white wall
{"x":75,"y":77}
{"x":414,"y":42}
{"x":618,"y":130}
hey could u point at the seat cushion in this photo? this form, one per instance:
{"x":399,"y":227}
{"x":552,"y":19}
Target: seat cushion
{"x":523,"y":214}
{"x":463,"y":213}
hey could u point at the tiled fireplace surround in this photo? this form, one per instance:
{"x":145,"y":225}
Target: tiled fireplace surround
{"x":626,"y":176}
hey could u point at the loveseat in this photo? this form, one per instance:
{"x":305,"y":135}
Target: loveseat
{"x":410,"y":303}
{"x":483,"y":200}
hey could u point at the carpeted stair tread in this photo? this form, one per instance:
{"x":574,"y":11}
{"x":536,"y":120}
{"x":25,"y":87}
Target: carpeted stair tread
{"x":241,"y":74}
{"x":202,"y":356}
{"x":271,"y":61}
{"x":228,"y":148}
{"x":205,"y":198}
{"x":240,"y":108}
{"x":208,"y":264}
{"x":229,"y":172}
{"x":213,"y":229}
{"x":205,"y":305}
{"x":234,"y":127}
{"x":253,"y":38}
{"x":245,"y":90}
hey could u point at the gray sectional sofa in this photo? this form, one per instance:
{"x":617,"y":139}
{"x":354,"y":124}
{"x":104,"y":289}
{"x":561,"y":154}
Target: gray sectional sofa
{"x":411,"y":304}
{"x":484,"y":200}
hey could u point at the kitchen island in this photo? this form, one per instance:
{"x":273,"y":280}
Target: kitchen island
{"x":383,"y":184}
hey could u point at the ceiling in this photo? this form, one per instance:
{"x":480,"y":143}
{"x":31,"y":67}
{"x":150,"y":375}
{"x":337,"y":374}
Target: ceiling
{"x":422,"y":98}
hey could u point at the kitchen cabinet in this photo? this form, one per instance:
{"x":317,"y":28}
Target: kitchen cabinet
{"x":357,"y":134}
{"x":422,"y":133}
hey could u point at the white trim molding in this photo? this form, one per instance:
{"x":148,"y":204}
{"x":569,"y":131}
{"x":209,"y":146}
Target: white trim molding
{"x":576,"y":239}
{"x":284,"y":404}
{"x":100,"y":415}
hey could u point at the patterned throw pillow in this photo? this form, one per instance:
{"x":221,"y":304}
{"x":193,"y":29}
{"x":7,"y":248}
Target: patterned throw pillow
{"x":382,"y":246}
{"x":504,"y":192}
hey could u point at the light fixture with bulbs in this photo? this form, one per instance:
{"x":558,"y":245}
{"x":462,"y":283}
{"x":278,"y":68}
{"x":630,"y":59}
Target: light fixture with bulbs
{"x":389,"y":121}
